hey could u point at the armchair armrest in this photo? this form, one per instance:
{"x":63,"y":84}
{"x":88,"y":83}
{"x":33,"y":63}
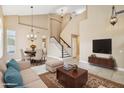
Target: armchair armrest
{"x":24,"y":65}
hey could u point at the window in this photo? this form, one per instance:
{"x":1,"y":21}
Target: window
{"x":1,"y":39}
{"x":11,"y":36}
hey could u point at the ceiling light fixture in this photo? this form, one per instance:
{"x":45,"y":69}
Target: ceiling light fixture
{"x":32,"y":36}
{"x":114,"y":19}
{"x":62,"y":11}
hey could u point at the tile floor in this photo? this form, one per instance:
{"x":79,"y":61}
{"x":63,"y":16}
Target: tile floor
{"x":40,"y":69}
{"x":117,"y":76}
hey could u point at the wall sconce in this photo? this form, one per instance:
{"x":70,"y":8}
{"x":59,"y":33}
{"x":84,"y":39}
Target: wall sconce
{"x":114,"y":18}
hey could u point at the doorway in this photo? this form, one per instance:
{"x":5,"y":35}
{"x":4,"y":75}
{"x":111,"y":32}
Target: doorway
{"x":75,"y":46}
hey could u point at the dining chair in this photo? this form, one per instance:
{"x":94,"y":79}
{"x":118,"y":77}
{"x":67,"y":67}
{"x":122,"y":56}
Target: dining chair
{"x":23,"y":56}
{"x":44,"y":52}
{"x":38,"y":57}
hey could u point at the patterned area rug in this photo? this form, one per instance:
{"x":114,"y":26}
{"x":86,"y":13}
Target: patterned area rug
{"x":93,"y":81}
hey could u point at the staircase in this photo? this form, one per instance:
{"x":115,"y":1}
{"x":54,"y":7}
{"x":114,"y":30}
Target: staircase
{"x":65,"y":54}
{"x":58,"y":48}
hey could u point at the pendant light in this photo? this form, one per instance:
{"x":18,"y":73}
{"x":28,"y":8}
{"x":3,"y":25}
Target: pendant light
{"x":114,"y":19}
{"x":32,"y":36}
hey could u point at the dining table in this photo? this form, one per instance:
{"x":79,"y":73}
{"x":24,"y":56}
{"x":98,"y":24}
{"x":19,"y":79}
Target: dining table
{"x":30,"y":53}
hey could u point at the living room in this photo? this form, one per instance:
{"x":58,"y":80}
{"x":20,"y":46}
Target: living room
{"x":92,"y":26}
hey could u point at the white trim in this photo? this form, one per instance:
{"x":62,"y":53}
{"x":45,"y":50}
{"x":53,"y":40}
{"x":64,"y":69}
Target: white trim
{"x":120,"y":69}
{"x":117,"y":68}
{"x":83,"y":61}
{"x":66,"y":57}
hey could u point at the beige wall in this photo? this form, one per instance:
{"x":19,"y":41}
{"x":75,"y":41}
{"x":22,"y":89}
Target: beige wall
{"x":66,"y":18}
{"x":72,"y":27}
{"x":38,"y":20}
{"x":11,"y":23}
{"x":55,"y":25}
{"x":97,"y":26}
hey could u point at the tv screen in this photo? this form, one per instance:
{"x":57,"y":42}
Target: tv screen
{"x":102,"y":46}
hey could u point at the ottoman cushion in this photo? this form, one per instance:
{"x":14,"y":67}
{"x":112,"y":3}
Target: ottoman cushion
{"x":53,"y":62}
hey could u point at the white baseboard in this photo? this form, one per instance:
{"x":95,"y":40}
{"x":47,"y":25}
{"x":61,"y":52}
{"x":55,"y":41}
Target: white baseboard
{"x":83,"y":61}
{"x":120,"y":69}
{"x":117,"y":68}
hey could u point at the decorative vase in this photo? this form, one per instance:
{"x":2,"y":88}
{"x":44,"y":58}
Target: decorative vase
{"x":33,"y":47}
{"x":93,"y":55}
{"x":75,"y":67}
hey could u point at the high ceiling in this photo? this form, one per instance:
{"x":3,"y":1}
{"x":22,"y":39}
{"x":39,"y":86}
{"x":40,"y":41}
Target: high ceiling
{"x":40,"y":9}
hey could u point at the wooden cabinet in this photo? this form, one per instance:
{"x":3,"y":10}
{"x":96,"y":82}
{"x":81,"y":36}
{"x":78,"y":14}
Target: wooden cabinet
{"x":103,"y":62}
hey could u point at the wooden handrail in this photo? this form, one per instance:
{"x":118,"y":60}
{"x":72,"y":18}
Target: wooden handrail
{"x":56,"y":40}
{"x":61,"y":44}
{"x":65,"y":42}
{"x":62,"y":52}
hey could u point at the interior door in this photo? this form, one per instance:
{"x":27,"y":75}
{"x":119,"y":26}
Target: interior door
{"x":74,"y":47}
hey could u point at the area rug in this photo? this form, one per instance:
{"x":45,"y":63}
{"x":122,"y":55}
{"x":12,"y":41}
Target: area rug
{"x":93,"y":81}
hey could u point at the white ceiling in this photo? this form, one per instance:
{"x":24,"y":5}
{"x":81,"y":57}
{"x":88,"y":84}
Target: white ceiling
{"x":39,"y":9}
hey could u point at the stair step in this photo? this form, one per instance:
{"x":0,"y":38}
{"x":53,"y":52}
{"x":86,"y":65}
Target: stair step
{"x":68,"y":57}
{"x":66,"y":54}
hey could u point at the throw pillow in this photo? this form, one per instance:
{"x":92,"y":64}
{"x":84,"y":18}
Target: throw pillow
{"x":13,"y":64}
{"x":12,"y":78}
{"x":3,"y":67}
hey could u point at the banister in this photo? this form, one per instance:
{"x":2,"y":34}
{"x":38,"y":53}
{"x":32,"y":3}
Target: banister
{"x":60,"y":44}
{"x":65,"y":42}
{"x":56,"y":40}
{"x":62,"y":52}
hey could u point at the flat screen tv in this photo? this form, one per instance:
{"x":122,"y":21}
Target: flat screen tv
{"x":102,"y":46}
